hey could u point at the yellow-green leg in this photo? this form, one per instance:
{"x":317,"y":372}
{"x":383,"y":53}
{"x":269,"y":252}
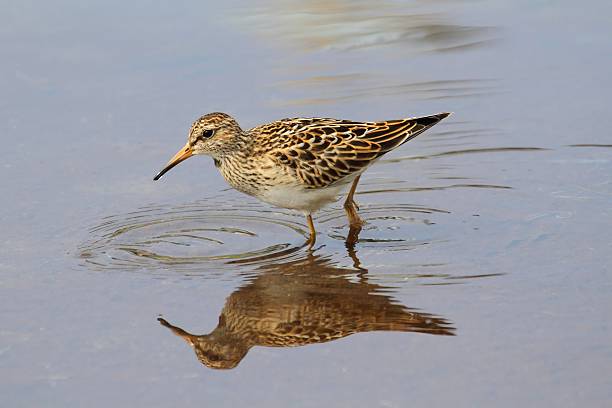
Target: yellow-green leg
{"x":313,"y":233}
{"x":351,"y":207}
{"x":355,"y":223}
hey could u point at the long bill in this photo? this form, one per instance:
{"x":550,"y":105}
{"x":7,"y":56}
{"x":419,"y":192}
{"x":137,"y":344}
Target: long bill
{"x":183,"y":154}
{"x":188,"y":337}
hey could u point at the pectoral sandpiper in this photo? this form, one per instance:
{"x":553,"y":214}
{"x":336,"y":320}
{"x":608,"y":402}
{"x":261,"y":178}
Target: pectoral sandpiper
{"x":300,"y":163}
{"x":281,"y":306}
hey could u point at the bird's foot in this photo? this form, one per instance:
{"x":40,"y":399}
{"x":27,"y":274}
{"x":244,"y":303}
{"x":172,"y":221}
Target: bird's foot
{"x":311,"y":241}
{"x":353,"y":236}
{"x":355,"y":223}
{"x":351,"y":207}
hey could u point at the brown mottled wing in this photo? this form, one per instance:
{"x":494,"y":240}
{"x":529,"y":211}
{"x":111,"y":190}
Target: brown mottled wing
{"x":325,"y":151}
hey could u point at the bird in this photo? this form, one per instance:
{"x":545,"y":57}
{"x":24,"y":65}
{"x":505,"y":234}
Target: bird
{"x":305,"y":301}
{"x":301,"y":164}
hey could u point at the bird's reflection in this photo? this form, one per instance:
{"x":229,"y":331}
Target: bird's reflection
{"x":302,"y":302}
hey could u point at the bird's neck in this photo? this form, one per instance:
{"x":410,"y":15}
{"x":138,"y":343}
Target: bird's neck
{"x":238,"y":148}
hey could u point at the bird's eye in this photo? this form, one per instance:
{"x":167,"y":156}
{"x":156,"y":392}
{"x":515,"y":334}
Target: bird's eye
{"x":207,"y":134}
{"x":213,"y":357}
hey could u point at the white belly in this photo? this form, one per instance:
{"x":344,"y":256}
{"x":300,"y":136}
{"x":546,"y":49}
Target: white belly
{"x":299,"y":198}
{"x":282,"y":192}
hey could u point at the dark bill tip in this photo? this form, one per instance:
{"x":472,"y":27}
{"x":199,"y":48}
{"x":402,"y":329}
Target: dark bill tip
{"x":161,"y":173}
{"x":167,"y":169}
{"x":183,"y":154}
{"x":164,"y":171}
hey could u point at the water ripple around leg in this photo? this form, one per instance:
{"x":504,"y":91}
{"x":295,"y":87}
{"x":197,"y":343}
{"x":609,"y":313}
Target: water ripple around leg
{"x":186,"y":236}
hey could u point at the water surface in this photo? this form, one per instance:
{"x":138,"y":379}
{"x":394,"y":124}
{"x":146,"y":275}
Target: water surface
{"x":480,"y":278}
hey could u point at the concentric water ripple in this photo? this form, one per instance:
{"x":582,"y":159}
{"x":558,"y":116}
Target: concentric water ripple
{"x":216,"y":234}
{"x":183,"y":236}
{"x":386,"y":225}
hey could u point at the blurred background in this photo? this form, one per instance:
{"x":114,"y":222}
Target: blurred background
{"x":481,"y":277}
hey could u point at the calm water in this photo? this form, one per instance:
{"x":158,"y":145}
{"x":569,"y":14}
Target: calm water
{"x":481,"y":278}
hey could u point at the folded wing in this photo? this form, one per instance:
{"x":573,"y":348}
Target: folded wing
{"x":325,"y":151}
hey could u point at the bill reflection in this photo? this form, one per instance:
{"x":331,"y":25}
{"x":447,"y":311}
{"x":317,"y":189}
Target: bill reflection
{"x":303,"y":302}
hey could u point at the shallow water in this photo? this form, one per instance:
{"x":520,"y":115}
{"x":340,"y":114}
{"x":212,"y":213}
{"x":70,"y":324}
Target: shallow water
{"x":482,"y":276}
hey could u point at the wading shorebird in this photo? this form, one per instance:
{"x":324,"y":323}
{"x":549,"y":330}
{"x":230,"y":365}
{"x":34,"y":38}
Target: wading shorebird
{"x":301,"y":302}
{"x":301,"y":163}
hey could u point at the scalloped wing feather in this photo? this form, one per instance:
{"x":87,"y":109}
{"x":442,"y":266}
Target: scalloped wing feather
{"x":323,"y":151}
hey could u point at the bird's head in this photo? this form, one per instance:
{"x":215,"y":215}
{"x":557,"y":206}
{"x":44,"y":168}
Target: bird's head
{"x":220,"y":352}
{"x":220,"y":349}
{"x":212,"y":134}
